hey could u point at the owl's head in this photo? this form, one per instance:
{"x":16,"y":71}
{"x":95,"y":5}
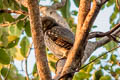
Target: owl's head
{"x":47,"y":23}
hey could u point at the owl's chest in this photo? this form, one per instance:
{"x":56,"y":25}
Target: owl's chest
{"x":57,"y":50}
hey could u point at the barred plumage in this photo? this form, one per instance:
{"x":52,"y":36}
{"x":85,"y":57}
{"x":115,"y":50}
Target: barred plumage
{"x":58,"y":39}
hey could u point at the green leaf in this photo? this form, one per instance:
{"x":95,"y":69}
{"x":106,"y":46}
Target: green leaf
{"x":90,"y":67}
{"x":14,"y":5}
{"x":106,"y":67}
{"x":1,"y":18}
{"x":92,"y":58}
{"x":4,"y":71}
{"x":11,"y":52}
{"x":110,"y":3}
{"x":66,"y":10}
{"x":34,"y":69}
{"x":110,"y":45}
{"x":15,"y":31}
{"x":103,"y":7}
{"x":4,"y":38}
{"x":51,"y":57}
{"x":107,"y":77}
{"x":94,"y":26}
{"x":52,"y":66}
{"x":113,"y":17}
{"x":81,"y":76}
{"x":1,"y":4}
{"x":20,"y":17}
{"x":97,"y":75}
{"x":5,"y":3}
{"x":16,"y":53}
{"x":13,"y":73}
{"x":116,"y":10}
{"x":77,"y":2}
{"x":27,"y":28}
{"x":8,"y":17}
{"x":72,"y":24}
{"x":105,"y":56}
{"x":14,"y":42}
{"x":74,"y":12}
{"x":4,"y":57}
{"x":113,"y":58}
{"x":117,"y":70}
{"x":24,"y":46}
{"x":1,"y":33}
{"x":1,"y":66}
{"x":20,"y":77}
{"x":24,"y":8}
{"x":20,"y":25}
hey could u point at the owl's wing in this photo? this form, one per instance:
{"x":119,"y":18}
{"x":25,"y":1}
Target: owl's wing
{"x":61,"y":36}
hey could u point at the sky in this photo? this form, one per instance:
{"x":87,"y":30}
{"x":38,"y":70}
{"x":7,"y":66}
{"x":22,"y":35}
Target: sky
{"x":102,"y":21}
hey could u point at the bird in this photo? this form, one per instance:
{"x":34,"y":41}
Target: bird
{"x":58,"y":39}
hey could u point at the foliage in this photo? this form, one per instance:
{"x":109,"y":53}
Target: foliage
{"x":15,"y":40}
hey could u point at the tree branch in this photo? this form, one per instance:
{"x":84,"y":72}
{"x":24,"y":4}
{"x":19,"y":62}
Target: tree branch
{"x":89,"y":21}
{"x":106,"y":39}
{"x":101,"y":34}
{"x":38,"y":40}
{"x":92,"y":46}
{"x":48,"y":11}
{"x":8,"y":24}
{"x":13,"y":11}
{"x":51,"y":12}
{"x":81,"y":38}
{"x":26,"y":69}
{"x":77,"y":51}
{"x":58,"y":5}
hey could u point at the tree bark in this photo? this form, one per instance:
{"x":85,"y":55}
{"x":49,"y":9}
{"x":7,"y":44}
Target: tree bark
{"x":85,"y":20}
{"x":76,"y":53}
{"x":37,"y":36}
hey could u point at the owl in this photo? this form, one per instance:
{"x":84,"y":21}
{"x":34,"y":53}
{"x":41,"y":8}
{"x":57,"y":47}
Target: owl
{"x":58,"y":39}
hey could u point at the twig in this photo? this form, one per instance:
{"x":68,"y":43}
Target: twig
{"x":90,"y":62}
{"x":101,"y":34}
{"x":8,"y":72}
{"x":26,"y":70}
{"x":13,"y":11}
{"x":22,"y":65}
{"x":99,"y":57}
{"x":8,"y":24}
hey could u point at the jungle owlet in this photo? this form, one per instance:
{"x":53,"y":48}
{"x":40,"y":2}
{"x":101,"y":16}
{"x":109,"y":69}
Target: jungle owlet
{"x":58,"y":40}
